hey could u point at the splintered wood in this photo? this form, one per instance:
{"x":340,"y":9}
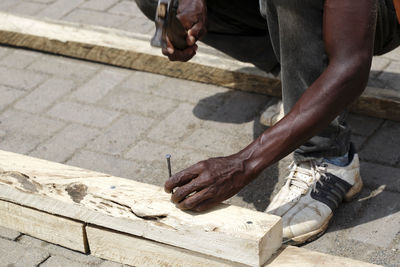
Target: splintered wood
{"x":137,"y":210}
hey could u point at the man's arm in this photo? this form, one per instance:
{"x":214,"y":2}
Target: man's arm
{"x":349,"y":30}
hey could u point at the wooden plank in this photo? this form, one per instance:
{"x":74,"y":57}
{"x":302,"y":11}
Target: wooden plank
{"x":294,"y":256}
{"x":136,"y":251}
{"x":130,"y":50}
{"x":124,"y":49}
{"x":143,"y":210}
{"x":51,"y":228}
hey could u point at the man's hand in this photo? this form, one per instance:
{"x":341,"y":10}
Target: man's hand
{"x":193,"y":15}
{"x":208,"y":183}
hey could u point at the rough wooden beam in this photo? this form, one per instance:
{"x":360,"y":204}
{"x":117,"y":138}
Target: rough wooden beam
{"x":226,"y":232}
{"x":136,"y":251}
{"x":294,"y":256}
{"x":129,"y":50}
{"x":48,"y":227}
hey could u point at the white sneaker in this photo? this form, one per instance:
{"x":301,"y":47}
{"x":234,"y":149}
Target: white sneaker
{"x":272,"y":113}
{"x":314,"y":189}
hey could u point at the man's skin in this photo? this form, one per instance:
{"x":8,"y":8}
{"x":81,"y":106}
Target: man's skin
{"x":348,"y":32}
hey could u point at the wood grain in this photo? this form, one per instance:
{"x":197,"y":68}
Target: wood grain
{"x":143,"y":210}
{"x":135,"y":251}
{"x":48,"y":227}
{"x":133,"y":51}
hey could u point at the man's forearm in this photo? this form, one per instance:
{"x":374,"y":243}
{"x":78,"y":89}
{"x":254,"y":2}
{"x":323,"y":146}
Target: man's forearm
{"x":336,"y":88}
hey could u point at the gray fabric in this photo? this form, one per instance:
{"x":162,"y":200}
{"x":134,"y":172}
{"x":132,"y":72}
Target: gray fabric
{"x":287,"y":35}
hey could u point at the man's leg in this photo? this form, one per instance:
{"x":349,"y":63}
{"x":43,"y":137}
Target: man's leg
{"x":296,"y":32}
{"x":319,"y":179}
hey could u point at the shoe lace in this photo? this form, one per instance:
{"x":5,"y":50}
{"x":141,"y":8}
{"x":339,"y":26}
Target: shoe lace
{"x":304,"y":175}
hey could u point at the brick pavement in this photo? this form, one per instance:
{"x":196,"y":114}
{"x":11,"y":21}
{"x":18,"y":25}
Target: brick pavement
{"x":123,"y":122}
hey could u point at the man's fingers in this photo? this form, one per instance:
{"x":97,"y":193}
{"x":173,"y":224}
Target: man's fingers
{"x":192,"y":201}
{"x":205,"y":205}
{"x":179,"y":179}
{"x":183,"y":55}
{"x":183,"y":191}
{"x":197,"y":31}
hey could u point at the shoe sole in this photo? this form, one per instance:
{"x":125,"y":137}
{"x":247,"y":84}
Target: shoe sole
{"x":311,"y":236}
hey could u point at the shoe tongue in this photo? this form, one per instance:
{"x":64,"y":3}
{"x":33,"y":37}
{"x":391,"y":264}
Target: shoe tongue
{"x":303,"y":179}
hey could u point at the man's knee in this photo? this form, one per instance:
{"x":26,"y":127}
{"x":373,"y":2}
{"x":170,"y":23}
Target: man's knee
{"x":148,"y":7}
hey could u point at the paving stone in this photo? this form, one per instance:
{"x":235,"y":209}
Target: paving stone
{"x":374,"y":81}
{"x":391,"y":75}
{"x":363,"y":125}
{"x":336,"y":243}
{"x":379,"y":221}
{"x":58,"y":251}
{"x":45,"y":95}
{"x":19,"y":59}
{"x":74,"y":112}
{"x":27,"y":8}
{"x":65,"y":67}
{"x":127,"y":100}
{"x":220,"y":143}
{"x":375,"y":175}
{"x":4,"y":51}
{"x":6,"y":4}
{"x":154,"y":153}
{"x":59,"y":8}
{"x":394,"y":55}
{"x":358,"y":141}
{"x":178,"y":124}
{"x":127,"y":8}
{"x":14,"y":254}
{"x":63,"y":145}
{"x":99,"y":5}
{"x":18,"y":142}
{"x":61,"y":262}
{"x":20,"y":79}
{"x":121,"y":134}
{"x":8,"y":96}
{"x":92,"y":17}
{"x":103,"y":163}
{"x":378,"y":65}
{"x":143,"y":82}
{"x":188,"y":91}
{"x":384,"y":145}
{"x":138,"y":25}
{"x":8,"y":233}
{"x":97,"y":87}
{"x":21,"y":122}
{"x":44,"y":1}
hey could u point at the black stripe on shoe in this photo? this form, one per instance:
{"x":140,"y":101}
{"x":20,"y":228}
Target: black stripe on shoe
{"x":330,"y":190}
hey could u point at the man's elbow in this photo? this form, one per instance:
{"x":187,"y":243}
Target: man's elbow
{"x":354,"y":71}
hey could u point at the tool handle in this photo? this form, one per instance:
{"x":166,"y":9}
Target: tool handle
{"x":175,"y":31}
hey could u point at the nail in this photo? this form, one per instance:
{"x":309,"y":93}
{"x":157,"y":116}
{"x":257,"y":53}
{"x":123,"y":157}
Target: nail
{"x":170,"y":50}
{"x":168,"y":157}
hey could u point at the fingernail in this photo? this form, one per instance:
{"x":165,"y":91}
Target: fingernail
{"x":192,"y":39}
{"x":170,"y":50}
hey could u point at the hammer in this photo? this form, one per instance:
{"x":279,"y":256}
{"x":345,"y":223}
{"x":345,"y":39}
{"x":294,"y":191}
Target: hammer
{"x":168,"y":25}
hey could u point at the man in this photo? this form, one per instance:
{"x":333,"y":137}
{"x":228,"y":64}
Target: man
{"x":324,"y":50}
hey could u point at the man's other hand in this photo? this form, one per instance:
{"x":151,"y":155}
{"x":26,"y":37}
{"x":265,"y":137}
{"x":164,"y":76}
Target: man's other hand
{"x":207,"y":183}
{"x":193,"y":16}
